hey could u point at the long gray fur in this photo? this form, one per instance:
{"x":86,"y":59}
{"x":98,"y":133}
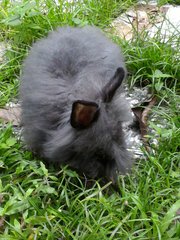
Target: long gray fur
{"x":75,"y":64}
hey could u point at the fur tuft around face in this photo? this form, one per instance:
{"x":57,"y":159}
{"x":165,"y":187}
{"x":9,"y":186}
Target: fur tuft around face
{"x":73,"y":103}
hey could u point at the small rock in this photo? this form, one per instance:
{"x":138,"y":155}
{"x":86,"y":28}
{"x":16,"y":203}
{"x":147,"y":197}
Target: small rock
{"x":150,"y":17}
{"x":170,"y":25}
{"x":11,"y":114}
{"x":122,"y":29}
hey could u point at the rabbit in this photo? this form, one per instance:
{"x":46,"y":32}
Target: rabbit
{"x":73,"y":102}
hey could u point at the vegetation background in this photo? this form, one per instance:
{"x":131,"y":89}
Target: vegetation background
{"x":40,"y":203}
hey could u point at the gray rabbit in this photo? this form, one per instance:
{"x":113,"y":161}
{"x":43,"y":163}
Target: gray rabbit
{"x":73,"y":104}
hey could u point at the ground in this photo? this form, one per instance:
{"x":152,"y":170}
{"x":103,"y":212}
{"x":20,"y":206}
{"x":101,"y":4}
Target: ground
{"x":37,"y":202}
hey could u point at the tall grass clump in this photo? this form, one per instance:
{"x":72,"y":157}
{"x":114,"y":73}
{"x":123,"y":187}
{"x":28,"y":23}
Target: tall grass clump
{"x":150,"y":58}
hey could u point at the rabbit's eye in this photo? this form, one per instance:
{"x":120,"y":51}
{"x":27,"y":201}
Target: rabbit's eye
{"x":83,"y":114}
{"x":114,"y":83}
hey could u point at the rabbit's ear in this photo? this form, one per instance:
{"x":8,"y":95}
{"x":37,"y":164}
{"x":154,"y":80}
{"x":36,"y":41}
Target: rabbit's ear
{"x":115,"y":82}
{"x":83,"y":114}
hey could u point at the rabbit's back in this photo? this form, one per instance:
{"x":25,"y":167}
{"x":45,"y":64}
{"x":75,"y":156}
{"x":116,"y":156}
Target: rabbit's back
{"x":51,"y":71}
{"x":74,"y":64}
{"x":66,"y":51}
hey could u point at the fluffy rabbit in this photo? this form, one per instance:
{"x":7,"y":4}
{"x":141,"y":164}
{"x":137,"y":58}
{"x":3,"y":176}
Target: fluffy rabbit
{"x":73,"y":104}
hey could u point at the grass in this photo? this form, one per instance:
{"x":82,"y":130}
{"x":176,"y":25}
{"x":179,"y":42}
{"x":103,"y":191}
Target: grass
{"x":41,"y":203}
{"x":149,"y":60}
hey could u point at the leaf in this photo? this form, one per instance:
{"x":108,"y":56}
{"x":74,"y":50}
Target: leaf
{"x":39,"y":219}
{"x":28,"y":6}
{"x":12,"y":21}
{"x":158,"y":86}
{"x":38,"y":171}
{"x":53,"y":178}
{"x":168,"y":218}
{"x":11,"y":142}
{"x":29,"y":192}
{"x":71,"y":173}
{"x":77,"y":21}
{"x":159,"y":74}
{"x":34,"y":26}
{"x":34,"y":13}
{"x":175,"y":174}
{"x":3,"y":146}
{"x":48,"y":189}
{"x":166,"y":133}
{"x":1,"y":211}
{"x":14,"y":206}
{"x":44,"y":169}
{"x":17,"y":225}
{"x":21,"y":167}
{"x":2,"y":165}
